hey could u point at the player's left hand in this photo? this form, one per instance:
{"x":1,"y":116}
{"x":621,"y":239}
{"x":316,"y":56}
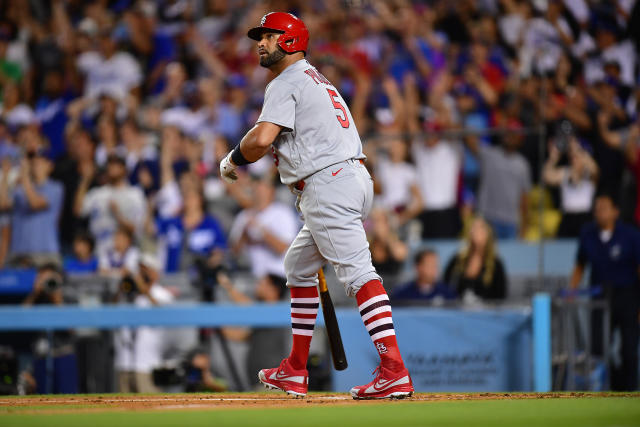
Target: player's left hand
{"x":228,"y":170}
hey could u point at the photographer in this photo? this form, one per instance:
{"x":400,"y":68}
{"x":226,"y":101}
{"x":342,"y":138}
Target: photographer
{"x":47,"y":289}
{"x":139,"y":350}
{"x":199,"y":377}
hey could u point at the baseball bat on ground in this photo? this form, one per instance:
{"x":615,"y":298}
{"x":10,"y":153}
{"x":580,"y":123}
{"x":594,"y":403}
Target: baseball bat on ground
{"x":331,"y":325}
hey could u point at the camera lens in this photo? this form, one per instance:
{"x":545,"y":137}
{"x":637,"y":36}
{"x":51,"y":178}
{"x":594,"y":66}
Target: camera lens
{"x":52,"y":284}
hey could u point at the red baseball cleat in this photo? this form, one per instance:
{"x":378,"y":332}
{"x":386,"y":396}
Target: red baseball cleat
{"x":285,"y":378}
{"x":386,"y":384}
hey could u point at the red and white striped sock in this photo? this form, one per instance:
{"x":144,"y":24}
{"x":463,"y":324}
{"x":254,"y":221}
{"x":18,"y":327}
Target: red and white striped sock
{"x":304,"y":310}
{"x":375,"y":311}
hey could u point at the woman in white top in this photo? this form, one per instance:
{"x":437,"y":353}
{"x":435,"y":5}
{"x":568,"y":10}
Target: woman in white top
{"x":577,"y":182}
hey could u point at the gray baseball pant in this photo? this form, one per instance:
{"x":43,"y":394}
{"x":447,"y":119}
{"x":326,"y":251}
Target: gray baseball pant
{"x":334,"y":203}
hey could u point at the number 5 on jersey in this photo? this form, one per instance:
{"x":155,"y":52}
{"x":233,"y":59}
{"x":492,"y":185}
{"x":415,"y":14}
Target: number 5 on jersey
{"x":344,"y":122}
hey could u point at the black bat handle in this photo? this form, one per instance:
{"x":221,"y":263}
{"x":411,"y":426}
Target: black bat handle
{"x":331,"y":325}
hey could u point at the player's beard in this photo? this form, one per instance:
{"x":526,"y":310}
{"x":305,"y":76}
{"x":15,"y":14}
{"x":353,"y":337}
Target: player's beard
{"x":272,"y":58}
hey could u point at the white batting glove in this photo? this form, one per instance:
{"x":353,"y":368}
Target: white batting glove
{"x":228,"y":169}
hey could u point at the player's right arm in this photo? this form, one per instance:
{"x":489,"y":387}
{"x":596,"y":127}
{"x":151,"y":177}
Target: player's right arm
{"x":252,"y":147}
{"x":278,"y":113}
{"x":258,"y":140}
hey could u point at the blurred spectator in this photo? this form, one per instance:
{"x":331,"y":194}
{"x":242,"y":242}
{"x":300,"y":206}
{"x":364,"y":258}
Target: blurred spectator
{"x":627,"y":140}
{"x":476,"y":271}
{"x":426,"y":286}
{"x":110,"y":70}
{"x":193,"y":241}
{"x":9,"y":71}
{"x":149,"y":41}
{"x":544,"y":37}
{"x":169,"y":197}
{"x":172,"y":94}
{"x":50,"y":110}
{"x":115,"y":204}
{"x":108,"y":143}
{"x":35,"y":204}
{"x":577,"y":183}
{"x":82,"y":259}
{"x":606,"y":110}
{"x":75,"y":169}
{"x":398,"y":180}
{"x":388,"y":252}
{"x":505,"y":180}
{"x":264,"y":230}
{"x":438,"y":163}
{"x":140,"y":154}
{"x":121,"y":257}
{"x":612,"y":251}
{"x":139,"y":350}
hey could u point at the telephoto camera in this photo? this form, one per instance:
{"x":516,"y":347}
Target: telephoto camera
{"x":128,"y":288}
{"x":52,"y":284}
{"x":207,"y":277}
{"x":54,"y":279}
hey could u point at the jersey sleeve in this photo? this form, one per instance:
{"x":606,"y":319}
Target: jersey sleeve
{"x":279,"y":104}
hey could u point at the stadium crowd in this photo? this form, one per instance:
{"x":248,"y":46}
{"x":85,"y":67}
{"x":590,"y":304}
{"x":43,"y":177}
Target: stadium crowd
{"x":115,"y":114}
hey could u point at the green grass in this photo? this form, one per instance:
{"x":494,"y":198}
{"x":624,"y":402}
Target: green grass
{"x":566,"y":412}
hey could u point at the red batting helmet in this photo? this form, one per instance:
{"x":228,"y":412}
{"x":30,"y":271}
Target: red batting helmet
{"x":294,"y":36}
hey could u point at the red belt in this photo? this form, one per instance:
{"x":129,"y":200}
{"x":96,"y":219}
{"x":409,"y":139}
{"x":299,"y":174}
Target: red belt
{"x":299,"y":185}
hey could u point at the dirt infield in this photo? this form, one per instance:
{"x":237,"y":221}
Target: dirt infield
{"x":89,"y":403}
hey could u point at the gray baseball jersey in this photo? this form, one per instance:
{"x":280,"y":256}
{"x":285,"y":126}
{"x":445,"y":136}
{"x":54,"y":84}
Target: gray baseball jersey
{"x":319,"y":130}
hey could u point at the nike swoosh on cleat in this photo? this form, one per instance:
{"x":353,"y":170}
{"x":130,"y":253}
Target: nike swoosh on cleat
{"x":336,"y":172}
{"x":379,"y":385}
{"x":283,"y":377}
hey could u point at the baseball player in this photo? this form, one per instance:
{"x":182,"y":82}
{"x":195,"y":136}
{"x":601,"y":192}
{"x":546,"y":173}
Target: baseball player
{"x":308,"y":127}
